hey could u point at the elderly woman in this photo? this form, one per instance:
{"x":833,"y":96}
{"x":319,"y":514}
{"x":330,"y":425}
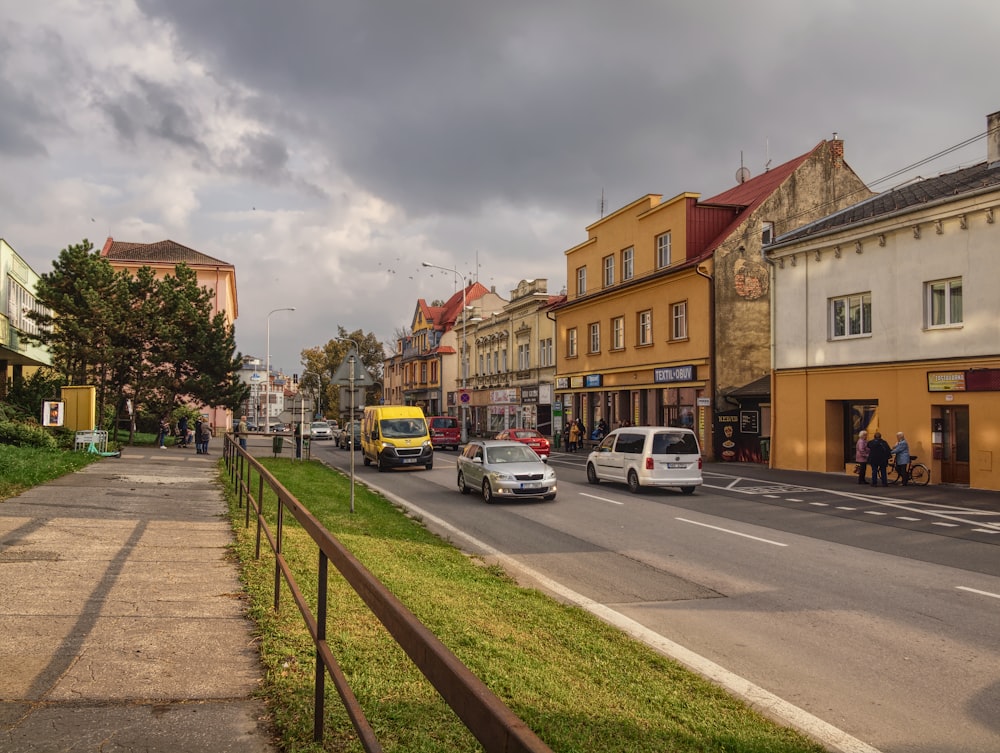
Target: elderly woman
{"x":861,"y":456}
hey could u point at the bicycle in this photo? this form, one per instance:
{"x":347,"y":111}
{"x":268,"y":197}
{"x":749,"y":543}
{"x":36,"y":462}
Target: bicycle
{"x":918,"y":473}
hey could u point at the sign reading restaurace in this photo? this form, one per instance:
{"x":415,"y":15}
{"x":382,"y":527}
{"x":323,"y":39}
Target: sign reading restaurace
{"x":674,"y":374}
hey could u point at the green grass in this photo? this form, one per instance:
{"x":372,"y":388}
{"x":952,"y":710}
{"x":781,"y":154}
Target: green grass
{"x":24,"y":467}
{"x":580,"y":684}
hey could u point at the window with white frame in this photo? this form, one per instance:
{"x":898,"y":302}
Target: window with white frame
{"x":595,"y":337}
{"x":482,"y":368}
{"x":496,"y":361}
{"x":618,"y":333}
{"x":628,"y":263}
{"x":645,"y":329}
{"x":581,"y":281}
{"x":766,"y":233}
{"x":851,"y":316}
{"x":679,"y":321}
{"x":609,"y":271}
{"x":944,"y":302}
{"x":663,"y":250}
{"x":545,"y":352}
{"x":571,"y":343}
{"x":503,"y":360}
{"x":523,"y":357}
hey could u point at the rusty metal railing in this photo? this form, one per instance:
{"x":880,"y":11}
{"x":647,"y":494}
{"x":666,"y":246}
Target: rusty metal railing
{"x":484,"y":714}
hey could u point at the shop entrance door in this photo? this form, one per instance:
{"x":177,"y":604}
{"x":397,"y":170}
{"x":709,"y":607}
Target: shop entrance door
{"x":955,"y":444}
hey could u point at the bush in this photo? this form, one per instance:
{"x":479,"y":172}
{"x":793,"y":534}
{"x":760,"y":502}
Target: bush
{"x":26,"y":435}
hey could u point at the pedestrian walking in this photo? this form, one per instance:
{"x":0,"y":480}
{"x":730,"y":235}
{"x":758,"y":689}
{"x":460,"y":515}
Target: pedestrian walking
{"x":902,"y":452}
{"x":205,"y":436}
{"x":298,"y":440}
{"x":161,"y":437}
{"x":861,"y":456}
{"x":197,"y":434}
{"x":878,"y":457}
{"x":182,"y":431}
{"x":574,"y":437}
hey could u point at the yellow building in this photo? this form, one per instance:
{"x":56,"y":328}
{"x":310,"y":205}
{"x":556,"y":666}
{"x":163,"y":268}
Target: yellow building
{"x":886,"y":319}
{"x":162,"y":257}
{"x":667,"y":313}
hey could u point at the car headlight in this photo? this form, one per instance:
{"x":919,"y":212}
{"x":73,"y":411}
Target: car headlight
{"x":550,"y":474}
{"x":502,"y":476}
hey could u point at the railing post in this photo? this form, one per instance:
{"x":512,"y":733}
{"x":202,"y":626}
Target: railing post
{"x":320,"y":684}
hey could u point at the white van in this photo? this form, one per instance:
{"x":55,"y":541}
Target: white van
{"x":647,"y":456}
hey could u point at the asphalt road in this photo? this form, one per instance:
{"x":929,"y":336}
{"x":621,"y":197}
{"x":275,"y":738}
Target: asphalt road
{"x":869,"y":621}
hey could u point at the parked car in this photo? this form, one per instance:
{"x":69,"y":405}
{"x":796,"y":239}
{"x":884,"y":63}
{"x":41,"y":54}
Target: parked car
{"x":445,"y":431}
{"x":350,"y":436}
{"x":647,"y":456}
{"x":531,"y":437}
{"x":502,"y":469}
{"x":278,"y":427}
{"x":320,"y":430}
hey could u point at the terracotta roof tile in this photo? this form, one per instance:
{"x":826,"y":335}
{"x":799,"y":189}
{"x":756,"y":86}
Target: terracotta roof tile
{"x":160,"y":252}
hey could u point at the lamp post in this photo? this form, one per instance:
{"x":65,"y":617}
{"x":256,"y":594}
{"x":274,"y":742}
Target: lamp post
{"x":350,"y":385}
{"x":461,"y":357}
{"x":267,"y":373}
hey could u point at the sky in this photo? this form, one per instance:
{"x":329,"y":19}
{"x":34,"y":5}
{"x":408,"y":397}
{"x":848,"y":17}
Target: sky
{"x":326,"y":148}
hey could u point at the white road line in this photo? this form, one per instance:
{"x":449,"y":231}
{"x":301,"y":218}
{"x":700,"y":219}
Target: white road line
{"x":734,"y":533}
{"x":601,"y":499}
{"x":754,"y":695}
{"x":819,"y":504}
{"x":977,"y":591}
{"x":849,"y":509}
{"x":904,"y":517}
{"x":986,"y":530}
{"x":875,"y":512}
{"x":944,"y":525}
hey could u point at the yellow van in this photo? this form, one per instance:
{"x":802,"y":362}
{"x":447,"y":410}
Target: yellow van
{"x":393,"y":436}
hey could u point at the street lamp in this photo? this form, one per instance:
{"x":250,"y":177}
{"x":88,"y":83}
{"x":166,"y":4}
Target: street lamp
{"x":462,"y":355}
{"x":350,"y":385}
{"x":267,"y":373}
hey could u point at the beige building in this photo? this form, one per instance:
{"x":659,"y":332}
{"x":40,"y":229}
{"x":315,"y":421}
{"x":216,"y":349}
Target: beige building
{"x":886,"y":318}
{"x":17,"y":298}
{"x":667,"y":315}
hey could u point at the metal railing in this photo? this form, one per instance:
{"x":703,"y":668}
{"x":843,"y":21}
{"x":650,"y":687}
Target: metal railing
{"x":487,"y":717}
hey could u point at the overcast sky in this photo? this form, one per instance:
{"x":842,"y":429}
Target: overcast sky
{"x":327,"y":147}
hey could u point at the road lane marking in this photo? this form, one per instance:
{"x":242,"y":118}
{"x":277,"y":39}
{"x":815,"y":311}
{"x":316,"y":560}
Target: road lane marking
{"x":824,"y":732}
{"x":904,"y":517}
{"x":734,"y":533}
{"x":601,"y":499}
{"x":977,"y":591}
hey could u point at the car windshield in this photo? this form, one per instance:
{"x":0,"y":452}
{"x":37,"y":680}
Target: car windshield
{"x":320,"y":425}
{"x":402,"y":428}
{"x":511,"y":454}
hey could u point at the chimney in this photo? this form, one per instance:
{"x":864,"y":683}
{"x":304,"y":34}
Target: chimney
{"x":837,"y":151}
{"x":993,"y":140}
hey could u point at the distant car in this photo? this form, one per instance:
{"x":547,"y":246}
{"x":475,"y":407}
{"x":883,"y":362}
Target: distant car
{"x":278,"y":427}
{"x":350,"y":436}
{"x":647,"y":456}
{"x":320,"y":430}
{"x":534,"y":439}
{"x":502,"y":469}
{"x":445,"y":431}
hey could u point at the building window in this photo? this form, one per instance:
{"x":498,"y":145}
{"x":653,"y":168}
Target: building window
{"x":609,"y":271}
{"x":628,"y":263}
{"x":851,"y":316}
{"x":545,"y":352}
{"x":645,"y":327}
{"x":571,"y":343}
{"x":679,"y":321}
{"x":581,"y":281}
{"x":423,"y":373}
{"x":523,"y":359}
{"x":663,"y":250}
{"x":595,"y":337}
{"x":618,"y":333}
{"x":766,"y":233}
{"x":944,"y":303}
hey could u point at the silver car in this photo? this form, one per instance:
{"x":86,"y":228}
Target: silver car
{"x":502,"y":469}
{"x":320,"y":430}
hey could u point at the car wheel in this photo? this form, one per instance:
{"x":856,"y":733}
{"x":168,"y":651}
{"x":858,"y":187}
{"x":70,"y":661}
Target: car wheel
{"x":549,"y":497}
{"x":366,"y":459}
{"x":592,"y":474}
{"x":430,"y":466}
{"x":633,"y":482}
{"x":379,"y":464}
{"x":487,"y":493}
{"x":461,"y":483}
{"x":687,"y":489}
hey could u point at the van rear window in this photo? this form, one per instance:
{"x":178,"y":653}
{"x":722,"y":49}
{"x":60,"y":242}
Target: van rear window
{"x":680,"y":443}
{"x":444,"y":423}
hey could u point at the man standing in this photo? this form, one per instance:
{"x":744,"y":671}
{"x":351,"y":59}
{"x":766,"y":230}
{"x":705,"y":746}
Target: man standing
{"x":182,"y":431}
{"x":241,"y":431}
{"x":878,"y":458}
{"x":902,"y":453}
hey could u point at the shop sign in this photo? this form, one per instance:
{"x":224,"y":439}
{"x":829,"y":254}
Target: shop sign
{"x":505,"y":396}
{"x":576,"y":382}
{"x":668,"y":374}
{"x":749,"y":422}
{"x":946,"y":381}
{"x":529,"y":395}
{"x":562,"y":383}
{"x":592,"y":380}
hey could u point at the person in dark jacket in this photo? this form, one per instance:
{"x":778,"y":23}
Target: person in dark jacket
{"x":878,"y":458}
{"x":182,"y":431}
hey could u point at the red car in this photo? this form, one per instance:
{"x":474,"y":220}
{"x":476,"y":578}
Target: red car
{"x":530,"y":437}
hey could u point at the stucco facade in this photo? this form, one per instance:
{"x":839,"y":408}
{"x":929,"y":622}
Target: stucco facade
{"x":18,"y":283}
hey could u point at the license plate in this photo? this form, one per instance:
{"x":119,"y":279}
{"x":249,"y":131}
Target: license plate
{"x":410,"y":460}
{"x":531,"y":485}
{"x":676,"y":465}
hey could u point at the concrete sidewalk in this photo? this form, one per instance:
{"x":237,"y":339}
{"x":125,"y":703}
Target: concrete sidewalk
{"x":121,"y":616}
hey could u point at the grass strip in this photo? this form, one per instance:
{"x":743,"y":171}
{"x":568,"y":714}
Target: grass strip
{"x":24,"y":467}
{"x":579,"y":683}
